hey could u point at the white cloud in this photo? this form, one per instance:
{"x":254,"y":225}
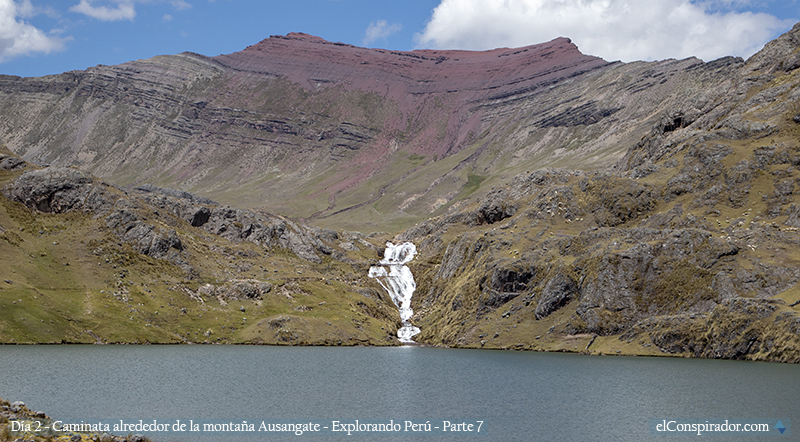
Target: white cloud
{"x":613,"y":29}
{"x":20,"y":38}
{"x":123,"y":10}
{"x":25,"y":9}
{"x":167,"y":18}
{"x":380,"y":29}
{"x":180,"y":5}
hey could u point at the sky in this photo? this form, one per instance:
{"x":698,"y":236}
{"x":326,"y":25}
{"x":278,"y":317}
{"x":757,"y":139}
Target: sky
{"x":41,"y":37}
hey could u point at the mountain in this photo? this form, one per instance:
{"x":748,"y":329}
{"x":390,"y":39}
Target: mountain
{"x":367,"y":134}
{"x":557,"y":201}
{"x":687,"y":245}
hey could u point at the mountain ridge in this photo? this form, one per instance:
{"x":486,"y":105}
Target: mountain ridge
{"x":397,"y":120}
{"x":312,"y":61}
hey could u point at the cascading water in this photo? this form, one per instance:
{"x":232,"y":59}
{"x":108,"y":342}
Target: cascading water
{"x":399,"y":283}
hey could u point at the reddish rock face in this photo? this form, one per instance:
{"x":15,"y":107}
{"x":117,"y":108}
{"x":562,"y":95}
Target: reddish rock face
{"x":464,"y":81}
{"x":343,"y":135}
{"x":313,"y":62}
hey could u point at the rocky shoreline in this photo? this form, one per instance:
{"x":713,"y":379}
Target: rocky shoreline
{"x":32,"y":425}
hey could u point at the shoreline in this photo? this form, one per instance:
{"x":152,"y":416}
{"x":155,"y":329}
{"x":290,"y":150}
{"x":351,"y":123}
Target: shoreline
{"x":554,"y":349}
{"x":31,"y":422}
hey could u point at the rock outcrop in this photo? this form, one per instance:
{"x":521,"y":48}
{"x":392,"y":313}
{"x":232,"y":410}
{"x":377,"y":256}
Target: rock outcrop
{"x":9,"y":162}
{"x":39,"y":426}
{"x":142,"y":218}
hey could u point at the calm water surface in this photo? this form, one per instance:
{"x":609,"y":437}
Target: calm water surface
{"x":520,"y":396}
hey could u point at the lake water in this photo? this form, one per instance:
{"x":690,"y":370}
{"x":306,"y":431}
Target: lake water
{"x":518,"y":395}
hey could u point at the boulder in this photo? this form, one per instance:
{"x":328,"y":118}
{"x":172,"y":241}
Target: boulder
{"x":8,"y":162}
{"x":61,"y":189}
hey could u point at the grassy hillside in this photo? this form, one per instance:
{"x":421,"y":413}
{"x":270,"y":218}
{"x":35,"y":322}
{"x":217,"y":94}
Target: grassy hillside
{"x":68,"y":278}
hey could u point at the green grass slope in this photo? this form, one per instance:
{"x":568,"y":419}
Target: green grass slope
{"x":67,"y":278}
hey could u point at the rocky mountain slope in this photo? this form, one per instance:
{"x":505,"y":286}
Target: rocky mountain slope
{"x":367,"y":134}
{"x":561,"y":202}
{"x":689,"y":245}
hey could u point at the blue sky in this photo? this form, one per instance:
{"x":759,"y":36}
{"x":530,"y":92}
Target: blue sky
{"x":39,"y":37}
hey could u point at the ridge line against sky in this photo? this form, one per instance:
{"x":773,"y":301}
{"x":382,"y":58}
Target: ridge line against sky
{"x":39,"y":37}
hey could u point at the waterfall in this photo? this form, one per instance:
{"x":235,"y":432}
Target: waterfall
{"x":399,"y":283}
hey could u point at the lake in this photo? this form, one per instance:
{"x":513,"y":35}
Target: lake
{"x":516,"y":395}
